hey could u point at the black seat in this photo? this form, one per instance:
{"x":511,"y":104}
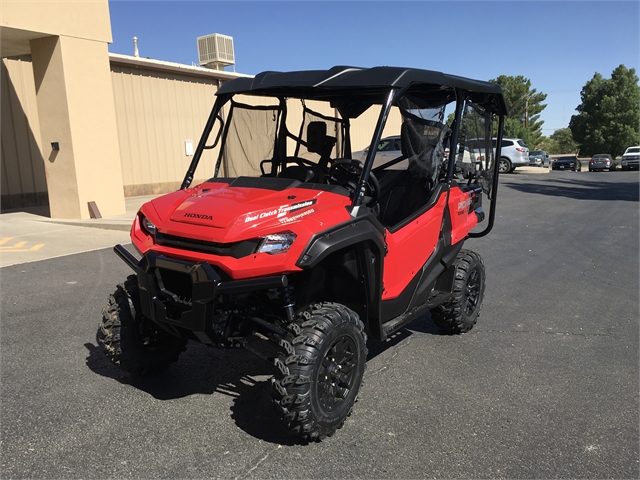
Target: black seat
{"x":412,"y":188}
{"x":303,"y":173}
{"x":317,"y":142}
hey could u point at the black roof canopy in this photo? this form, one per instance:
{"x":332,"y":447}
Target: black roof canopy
{"x":373,"y":83}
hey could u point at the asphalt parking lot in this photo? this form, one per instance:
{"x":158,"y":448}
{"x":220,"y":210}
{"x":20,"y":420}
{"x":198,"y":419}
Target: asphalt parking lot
{"x":545,"y":386}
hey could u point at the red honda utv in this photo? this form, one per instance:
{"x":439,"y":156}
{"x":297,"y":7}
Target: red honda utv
{"x":278,"y":234}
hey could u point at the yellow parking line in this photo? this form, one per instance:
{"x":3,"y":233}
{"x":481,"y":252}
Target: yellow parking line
{"x":5,"y":240}
{"x":18,"y":247}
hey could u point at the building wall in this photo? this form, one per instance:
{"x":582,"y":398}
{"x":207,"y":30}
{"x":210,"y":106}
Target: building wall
{"x":156,"y":113}
{"x":81,"y":19}
{"x":25,"y":20}
{"x":67,"y":42}
{"x":22,"y":174}
{"x":157,"y":109}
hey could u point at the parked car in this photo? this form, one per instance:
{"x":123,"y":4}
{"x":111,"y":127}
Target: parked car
{"x":539,"y":158}
{"x":389,"y":148}
{"x":631,"y":158}
{"x":567,"y":163}
{"x":514,"y":153}
{"x":601,"y":161}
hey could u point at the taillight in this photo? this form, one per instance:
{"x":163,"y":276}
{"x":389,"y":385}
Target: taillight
{"x":520,"y":149}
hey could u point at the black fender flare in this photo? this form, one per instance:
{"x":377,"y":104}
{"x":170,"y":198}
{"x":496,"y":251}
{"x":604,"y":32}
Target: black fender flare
{"x":354,"y":231}
{"x":367,"y":236}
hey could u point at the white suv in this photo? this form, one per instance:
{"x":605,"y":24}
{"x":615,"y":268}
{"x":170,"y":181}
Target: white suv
{"x":514,"y":153}
{"x":631,"y":158}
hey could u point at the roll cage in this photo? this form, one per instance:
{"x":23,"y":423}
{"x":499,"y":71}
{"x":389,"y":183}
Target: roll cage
{"x":351,"y":91}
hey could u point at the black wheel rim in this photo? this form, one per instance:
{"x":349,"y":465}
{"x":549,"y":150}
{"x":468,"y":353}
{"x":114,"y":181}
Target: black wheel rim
{"x":473,"y":291}
{"x":337,"y":373}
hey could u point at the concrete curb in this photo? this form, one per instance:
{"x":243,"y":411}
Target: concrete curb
{"x":531,"y":169}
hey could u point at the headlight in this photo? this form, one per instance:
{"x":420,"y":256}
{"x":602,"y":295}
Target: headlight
{"x":276,"y":243}
{"x":148,"y":226}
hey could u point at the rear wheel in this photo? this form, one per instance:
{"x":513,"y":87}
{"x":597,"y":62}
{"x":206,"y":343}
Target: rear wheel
{"x":322,"y":370}
{"x":504,"y":165}
{"x":131,"y":341}
{"x":460,"y":313}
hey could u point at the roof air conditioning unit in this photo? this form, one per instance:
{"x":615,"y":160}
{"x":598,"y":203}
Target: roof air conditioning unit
{"x":216,"y":51}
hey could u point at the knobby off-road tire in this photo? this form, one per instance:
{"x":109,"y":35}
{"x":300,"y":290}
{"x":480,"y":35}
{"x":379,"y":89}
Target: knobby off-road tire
{"x":460,"y":313}
{"x":131,"y":341}
{"x":321,"y":372}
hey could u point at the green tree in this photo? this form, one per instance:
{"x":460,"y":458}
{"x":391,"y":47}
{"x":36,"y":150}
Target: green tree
{"x":608,"y":118}
{"x":548,"y":145}
{"x":561,"y":141}
{"x":525,"y":105}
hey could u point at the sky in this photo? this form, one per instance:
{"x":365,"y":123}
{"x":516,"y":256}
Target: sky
{"x":558,"y":45}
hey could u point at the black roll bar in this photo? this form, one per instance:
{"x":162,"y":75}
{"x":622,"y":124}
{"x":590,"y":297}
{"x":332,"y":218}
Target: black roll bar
{"x":382,"y":119}
{"x":188,"y":178}
{"x":496,"y":174}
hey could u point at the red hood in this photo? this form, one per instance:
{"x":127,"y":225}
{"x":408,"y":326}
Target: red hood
{"x":219,"y":205}
{"x":237,"y":212}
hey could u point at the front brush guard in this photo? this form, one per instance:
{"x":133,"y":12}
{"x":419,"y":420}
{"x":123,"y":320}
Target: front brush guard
{"x":206,"y":285}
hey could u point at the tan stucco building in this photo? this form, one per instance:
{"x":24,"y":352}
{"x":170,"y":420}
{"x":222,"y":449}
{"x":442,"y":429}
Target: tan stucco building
{"x":80,"y":125}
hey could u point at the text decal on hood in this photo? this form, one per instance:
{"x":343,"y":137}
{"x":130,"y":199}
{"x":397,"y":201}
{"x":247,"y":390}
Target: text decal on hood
{"x":294,"y":207}
{"x":282,"y":211}
{"x":198,"y":215}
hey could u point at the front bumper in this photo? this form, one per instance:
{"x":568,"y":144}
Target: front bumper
{"x":177,"y":293}
{"x":630,"y":163}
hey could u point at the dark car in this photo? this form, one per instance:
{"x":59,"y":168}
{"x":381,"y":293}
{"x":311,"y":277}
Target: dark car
{"x":567,"y":163}
{"x":601,"y":162}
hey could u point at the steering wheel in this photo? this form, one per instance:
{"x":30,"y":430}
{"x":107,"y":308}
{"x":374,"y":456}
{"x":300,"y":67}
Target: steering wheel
{"x":346,"y":173}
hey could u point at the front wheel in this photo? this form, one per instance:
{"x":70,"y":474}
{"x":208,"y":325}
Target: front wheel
{"x":460,"y":313}
{"x":504,"y":165}
{"x":131,"y":341}
{"x":322,"y":370}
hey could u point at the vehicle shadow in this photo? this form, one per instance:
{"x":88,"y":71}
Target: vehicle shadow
{"x":236,"y":373}
{"x":580,"y":190}
{"x":207,"y":371}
